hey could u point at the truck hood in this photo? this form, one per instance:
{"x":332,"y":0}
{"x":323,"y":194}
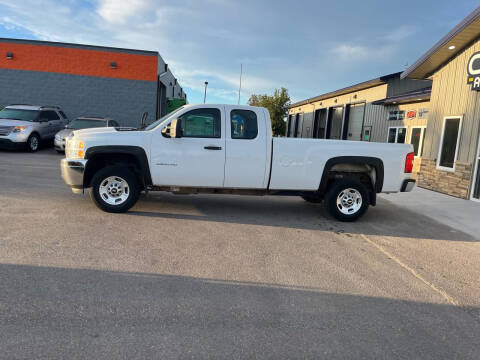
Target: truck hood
{"x":92,"y":131}
{"x":10,"y":122}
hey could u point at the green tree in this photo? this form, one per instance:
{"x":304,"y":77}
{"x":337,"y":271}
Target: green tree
{"x":277,"y":104}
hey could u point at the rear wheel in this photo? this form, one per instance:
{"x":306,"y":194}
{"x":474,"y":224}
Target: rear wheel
{"x":347,"y":199}
{"x":33,"y":143}
{"x":115,"y":189}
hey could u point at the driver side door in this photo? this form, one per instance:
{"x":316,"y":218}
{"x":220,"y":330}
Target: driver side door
{"x":197,"y":159}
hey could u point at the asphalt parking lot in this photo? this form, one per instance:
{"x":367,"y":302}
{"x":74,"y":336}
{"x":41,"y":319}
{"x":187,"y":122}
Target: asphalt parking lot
{"x":204,"y":276}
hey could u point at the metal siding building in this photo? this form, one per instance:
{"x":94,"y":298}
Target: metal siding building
{"x":360,"y":112}
{"x":86,"y":80}
{"x":452,"y":98}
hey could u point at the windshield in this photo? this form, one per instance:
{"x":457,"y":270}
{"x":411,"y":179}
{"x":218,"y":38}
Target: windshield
{"x":162,"y":119}
{"x":78,"y":124}
{"x":19,"y":114}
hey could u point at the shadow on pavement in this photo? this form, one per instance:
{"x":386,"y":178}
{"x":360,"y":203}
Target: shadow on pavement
{"x":51,"y":312}
{"x":384,"y":219}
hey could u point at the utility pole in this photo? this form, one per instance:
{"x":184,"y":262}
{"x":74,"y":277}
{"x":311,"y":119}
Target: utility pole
{"x":240,"y":86}
{"x":205,"y":94}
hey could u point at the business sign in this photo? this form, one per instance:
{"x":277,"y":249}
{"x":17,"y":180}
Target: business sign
{"x":473,"y":70}
{"x":411,"y":114}
{"x":422,"y":113}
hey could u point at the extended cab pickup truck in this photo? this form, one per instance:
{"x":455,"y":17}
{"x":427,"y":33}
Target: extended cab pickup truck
{"x":226,"y":149}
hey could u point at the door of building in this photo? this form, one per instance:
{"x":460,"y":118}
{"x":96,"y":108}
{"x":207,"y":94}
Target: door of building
{"x":335,"y":123}
{"x":476,"y":178}
{"x":355,"y":122}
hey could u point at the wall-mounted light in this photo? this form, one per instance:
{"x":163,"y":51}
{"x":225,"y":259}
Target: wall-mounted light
{"x":113,"y":65}
{"x":335,"y":101}
{"x":355,"y":96}
{"x":451,"y":47}
{"x":9,"y":55}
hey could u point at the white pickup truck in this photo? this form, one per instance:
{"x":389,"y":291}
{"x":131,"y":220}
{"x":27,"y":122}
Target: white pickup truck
{"x":229,"y":149}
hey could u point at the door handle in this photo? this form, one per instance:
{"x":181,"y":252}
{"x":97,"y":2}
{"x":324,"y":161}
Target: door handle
{"x":212,"y":148}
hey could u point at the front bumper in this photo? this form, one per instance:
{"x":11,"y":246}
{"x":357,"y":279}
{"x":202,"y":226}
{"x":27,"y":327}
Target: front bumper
{"x":408,"y":185}
{"x":11,"y":145}
{"x":72,"y":173}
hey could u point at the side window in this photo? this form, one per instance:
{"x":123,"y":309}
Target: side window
{"x":112,"y":123}
{"x":43,"y":115}
{"x":63,"y":114}
{"x":244,"y":124}
{"x":201,"y":123}
{"x":50,"y":115}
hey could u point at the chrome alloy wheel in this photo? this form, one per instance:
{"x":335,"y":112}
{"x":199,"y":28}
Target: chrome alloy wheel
{"x":114,"y":190}
{"x":349,"y":201}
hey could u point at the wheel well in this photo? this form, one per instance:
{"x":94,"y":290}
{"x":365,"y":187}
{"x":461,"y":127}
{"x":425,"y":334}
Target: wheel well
{"x":102,"y":160}
{"x":354,"y":166}
{"x":35,"y":133}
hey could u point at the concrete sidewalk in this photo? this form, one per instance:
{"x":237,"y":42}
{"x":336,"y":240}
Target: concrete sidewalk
{"x":462,"y":215}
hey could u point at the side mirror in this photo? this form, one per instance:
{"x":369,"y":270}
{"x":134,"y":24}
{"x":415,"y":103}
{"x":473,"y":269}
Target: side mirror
{"x":176,"y":128}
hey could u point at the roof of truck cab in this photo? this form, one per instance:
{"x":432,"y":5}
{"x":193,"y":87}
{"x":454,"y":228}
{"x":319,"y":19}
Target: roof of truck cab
{"x":220,"y":105}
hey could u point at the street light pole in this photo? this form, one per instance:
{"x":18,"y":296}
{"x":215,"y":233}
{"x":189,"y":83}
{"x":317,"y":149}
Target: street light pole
{"x":205,"y":94}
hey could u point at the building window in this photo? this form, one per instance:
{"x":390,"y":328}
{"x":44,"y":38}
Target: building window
{"x":396,"y":115}
{"x":397,"y":134}
{"x":447,"y":154}
{"x":417,"y":137}
{"x":243,"y":124}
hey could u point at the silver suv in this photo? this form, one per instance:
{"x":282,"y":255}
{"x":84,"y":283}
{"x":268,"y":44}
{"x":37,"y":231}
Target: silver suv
{"x":28,"y":125}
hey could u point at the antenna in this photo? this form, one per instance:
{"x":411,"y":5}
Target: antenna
{"x":240,"y":86}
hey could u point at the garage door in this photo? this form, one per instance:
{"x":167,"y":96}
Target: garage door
{"x":355,"y":122}
{"x":307,"y":126}
{"x":336,"y":123}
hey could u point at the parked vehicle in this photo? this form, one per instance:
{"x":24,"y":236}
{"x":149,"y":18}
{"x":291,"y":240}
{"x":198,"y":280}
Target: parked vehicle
{"x":226,"y":149}
{"x":28,"y":125}
{"x":83,"y":122}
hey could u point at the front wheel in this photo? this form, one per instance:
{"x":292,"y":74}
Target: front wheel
{"x":115,"y":189}
{"x":347,"y":199}
{"x":33,"y":143}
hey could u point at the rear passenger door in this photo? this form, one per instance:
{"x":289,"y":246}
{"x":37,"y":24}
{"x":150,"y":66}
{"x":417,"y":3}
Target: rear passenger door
{"x":246,"y":148}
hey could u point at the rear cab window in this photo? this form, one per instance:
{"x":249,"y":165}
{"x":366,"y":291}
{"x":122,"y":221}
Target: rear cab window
{"x":244,"y":124}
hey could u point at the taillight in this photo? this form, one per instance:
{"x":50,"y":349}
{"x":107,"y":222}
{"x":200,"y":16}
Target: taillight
{"x":409,"y":162}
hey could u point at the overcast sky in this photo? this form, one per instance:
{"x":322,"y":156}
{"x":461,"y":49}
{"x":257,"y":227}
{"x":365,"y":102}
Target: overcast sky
{"x":309,"y":47}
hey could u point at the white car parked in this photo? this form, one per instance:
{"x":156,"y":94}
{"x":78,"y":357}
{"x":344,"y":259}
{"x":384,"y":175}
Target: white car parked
{"x":229,"y":149}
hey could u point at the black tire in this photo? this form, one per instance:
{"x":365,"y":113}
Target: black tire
{"x":60,"y":151}
{"x":339,"y":187}
{"x":100,"y":179}
{"x":33,"y":143}
{"x":312,"y":198}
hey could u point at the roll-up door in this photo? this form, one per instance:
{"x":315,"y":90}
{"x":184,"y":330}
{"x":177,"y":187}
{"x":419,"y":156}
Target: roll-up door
{"x":355,"y":122}
{"x":335,"y":123}
{"x":307,"y":126}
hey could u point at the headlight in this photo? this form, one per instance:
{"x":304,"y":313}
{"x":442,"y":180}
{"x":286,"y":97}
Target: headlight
{"x":20,"y":128}
{"x":58,"y":138}
{"x":74,"y":149}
